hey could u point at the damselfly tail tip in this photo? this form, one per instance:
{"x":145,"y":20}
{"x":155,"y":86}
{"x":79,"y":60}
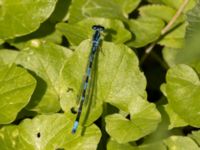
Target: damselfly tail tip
{"x":98,"y":27}
{"x":75,"y":127}
{"x":73,"y":131}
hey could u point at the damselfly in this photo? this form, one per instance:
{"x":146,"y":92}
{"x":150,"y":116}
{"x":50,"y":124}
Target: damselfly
{"x":95,"y":45}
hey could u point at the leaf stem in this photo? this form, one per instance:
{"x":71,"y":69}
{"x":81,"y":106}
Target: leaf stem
{"x":165,"y":30}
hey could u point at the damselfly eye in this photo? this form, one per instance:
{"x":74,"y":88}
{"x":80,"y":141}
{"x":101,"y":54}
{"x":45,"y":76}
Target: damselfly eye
{"x":98,"y":27}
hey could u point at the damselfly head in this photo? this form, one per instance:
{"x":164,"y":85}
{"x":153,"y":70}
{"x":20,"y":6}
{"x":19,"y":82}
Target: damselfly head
{"x":98,"y":27}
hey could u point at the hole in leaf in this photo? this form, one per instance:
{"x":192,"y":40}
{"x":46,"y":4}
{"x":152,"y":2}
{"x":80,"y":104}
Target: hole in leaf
{"x":73,"y":110}
{"x":59,"y":149}
{"x":38,"y":135}
{"x":128,"y":117}
{"x":70,"y":90}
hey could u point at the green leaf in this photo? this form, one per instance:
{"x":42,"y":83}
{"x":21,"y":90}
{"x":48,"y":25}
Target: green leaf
{"x":180,"y":142}
{"x":144,"y":120}
{"x":76,"y":33}
{"x":175,"y":38}
{"x":46,"y":61}
{"x":183,"y":88}
{"x":17,"y":86}
{"x":176,"y":4}
{"x":175,"y":120}
{"x":8,"y":137}
{"x":154,"y":11}
{"x":23,"y":16}
{"x":195,"y":136}
{"x":46,"y":32}
{"x":49,"y":132}
{"x":145,"y":30}
{"x":114,"y":9}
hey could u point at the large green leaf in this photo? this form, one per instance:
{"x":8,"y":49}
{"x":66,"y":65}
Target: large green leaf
{"x":180,"y":143}
{"x":118,"y":79}
{"x":145,"y":30}
{"x":46,"y":61}
{"x":182,"y":89}
{"x":48,"y":132}
{"x":20,"y":17}
{"x":115,"y":9}
{"x":144,"y":118}
{"x":76,"y":33}
{"x":17,"y":86}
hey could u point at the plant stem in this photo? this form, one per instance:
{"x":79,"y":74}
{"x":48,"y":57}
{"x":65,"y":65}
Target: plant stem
{"x":165,"y":30}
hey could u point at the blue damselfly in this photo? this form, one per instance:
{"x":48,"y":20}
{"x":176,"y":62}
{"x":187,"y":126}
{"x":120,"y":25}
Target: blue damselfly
{"x":95,"y":44}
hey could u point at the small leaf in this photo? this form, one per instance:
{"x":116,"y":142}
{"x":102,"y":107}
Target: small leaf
{"x":76,"y":33}
{"x":144,"y":120}
{"x":46,"y":60}
{"x":180,"y":142}
{"x":145,"y":30}
{"x":17,"y":86}
{"x":183,"y":88}
{"x":23,"y":16}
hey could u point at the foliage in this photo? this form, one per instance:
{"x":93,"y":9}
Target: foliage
{"x":145,"y":89}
